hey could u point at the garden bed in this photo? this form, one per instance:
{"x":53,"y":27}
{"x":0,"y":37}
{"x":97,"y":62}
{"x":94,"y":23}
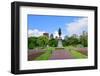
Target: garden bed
{"x":33,"y":54}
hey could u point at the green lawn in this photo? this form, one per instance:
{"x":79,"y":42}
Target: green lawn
{"x":75,"y":53}
{"x":46,"y":55}
{"x":48,"y":52}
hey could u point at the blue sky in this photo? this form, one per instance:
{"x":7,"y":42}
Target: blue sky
{"x":51,"y":24}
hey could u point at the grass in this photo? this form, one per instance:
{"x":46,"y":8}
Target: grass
{"x":78,"y":55}
{"x":48,"y":52}
{"x":75,"y":53}
{"x":46,"y":55}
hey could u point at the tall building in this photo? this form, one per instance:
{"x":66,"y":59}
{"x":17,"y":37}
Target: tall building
{"x":51,"y":36}
{"x":46,"y":34}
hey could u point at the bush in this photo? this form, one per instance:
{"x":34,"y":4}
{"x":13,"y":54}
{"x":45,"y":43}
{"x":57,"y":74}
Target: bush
{"x":42,"y":41}
{"x":52,"y":43}
{"x":79,"y":46}
{"x":30,"y":46}
{"x":32,"y":42}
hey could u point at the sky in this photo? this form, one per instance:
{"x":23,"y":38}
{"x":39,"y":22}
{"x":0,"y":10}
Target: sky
{"x":38,"y":24}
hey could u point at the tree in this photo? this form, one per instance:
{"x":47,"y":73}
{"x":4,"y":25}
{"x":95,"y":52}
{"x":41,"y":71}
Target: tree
{"x":52,"y":42}
{"x":31,"y":45}
{"x":42,"y":41}
{"x":65,"y":41}
{"x":59,"y":32}
{"x":72,"y":40}
{"x":32,"y":42}
{"x":76,"y":40}
{"x":66,"y":38}
{"x":84,"y":39}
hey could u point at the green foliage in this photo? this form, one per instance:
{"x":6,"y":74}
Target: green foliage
{"x":79,"y":46}
{"x":46,"y":55}
{"x":32,"y":42}
{"x":84,"y":39}
{"x":72,"y":41}
{"x":31,"y":45}
{"x":75,"y":53}
{"x":52,"y":43}
{"x":42,"y":41}
{"x":75,"y":40}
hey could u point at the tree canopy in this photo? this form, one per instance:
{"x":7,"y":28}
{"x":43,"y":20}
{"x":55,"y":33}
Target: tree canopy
{"x":73,"y":40}
{"x":42,"y":41}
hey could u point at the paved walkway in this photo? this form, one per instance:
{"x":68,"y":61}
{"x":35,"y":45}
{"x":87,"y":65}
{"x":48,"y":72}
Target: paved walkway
{"x":61,"y":54}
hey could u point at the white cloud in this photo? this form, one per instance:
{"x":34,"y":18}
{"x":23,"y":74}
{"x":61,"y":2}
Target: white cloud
{"x":56,"y":34}
{"x":35,"y":32}
{"x":77,"y":26}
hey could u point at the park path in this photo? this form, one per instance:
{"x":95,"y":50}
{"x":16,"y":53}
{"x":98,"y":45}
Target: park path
{"x":61,"y":54}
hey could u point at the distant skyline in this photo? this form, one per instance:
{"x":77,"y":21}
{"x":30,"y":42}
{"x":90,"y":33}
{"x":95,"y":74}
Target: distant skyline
{"x":38,"y":24}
